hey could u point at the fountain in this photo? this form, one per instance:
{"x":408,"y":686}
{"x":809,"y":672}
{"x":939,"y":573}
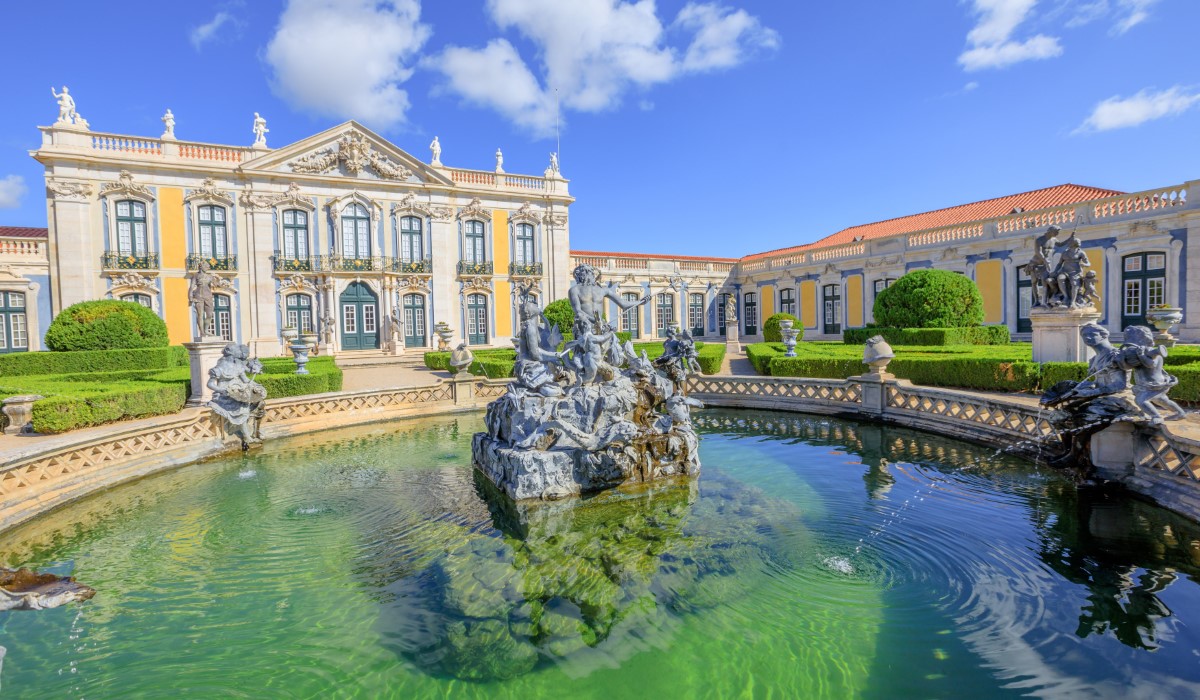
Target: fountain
{"x":1064,"y":298}
{"x":593,"y":415}
{"x":236,"y":397}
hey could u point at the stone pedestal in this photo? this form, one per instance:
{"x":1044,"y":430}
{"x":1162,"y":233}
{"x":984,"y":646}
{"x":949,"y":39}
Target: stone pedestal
{"x":1056,"y":334}
{"x":203,"y":355}
{"x":1114,"y":451}
{"x":732,"y":345}
{"x":874,"y":391}
{"x":19,"y":411}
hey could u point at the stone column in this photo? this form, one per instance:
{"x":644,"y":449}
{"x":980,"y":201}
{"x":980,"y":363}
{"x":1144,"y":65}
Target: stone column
{"x":261,"y":301}
{"x":1012,"y":302}
{"x":203,"y":356}
{"x":74,"y":251}
{"x":1056,"y":334}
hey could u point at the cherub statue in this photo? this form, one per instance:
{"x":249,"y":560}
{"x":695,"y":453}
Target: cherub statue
{"x":236,"y":396}
{"x":1151,"y":382}
{"x":1089,"y":294}
{"x":588,"y":349}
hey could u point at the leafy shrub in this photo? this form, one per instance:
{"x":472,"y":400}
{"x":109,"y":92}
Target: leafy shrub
{"x":560,"y":313}
{"x":974,"y":335}
{"x":761,"y":354}
{"x":771,"y":332}
{"x":930,"y":299}
{"x":117,"y":401}
{"x":23,"y":363}
{"x":106,"y":325}
{"x":498,"y":364}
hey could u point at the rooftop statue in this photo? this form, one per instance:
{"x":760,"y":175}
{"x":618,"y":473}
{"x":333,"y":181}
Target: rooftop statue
{"x":168,"y":121}
{"x":260,"y":131}
{"x":236,"y":396}
{"x":436,"y":148}
{"x":66,"y":106}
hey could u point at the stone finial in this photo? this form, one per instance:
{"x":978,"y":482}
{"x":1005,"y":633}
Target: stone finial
{"x":877,"y":354}
{"x":461,"y":358}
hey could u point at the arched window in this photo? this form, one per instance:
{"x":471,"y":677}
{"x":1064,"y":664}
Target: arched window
{"x":414,"y":320}
{"x":412,"y":248}
{"x":221,"y":324}
{"x":14,"y":328}
{"x":787,"y":301}
{"x":295,"y":235}
{"x":629,"y":317}
{"x":143,"y":299}
{"x":212,"y":225}
{"x":664,"y":316}
{"x":523,"y":251}
{"x":477,"y":319}
{"x":131,"y":228}
{"x":356,"y":232}
{"x":696,"y":313}
{"x":750,"y":311}
{"x":299,"y":312}
{"x":473,"y":248}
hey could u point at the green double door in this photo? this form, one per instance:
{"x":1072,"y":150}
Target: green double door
{"x":360,"y":318}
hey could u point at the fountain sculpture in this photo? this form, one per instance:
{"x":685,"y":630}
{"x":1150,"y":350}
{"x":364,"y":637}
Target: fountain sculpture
{"x":1063,"y":297}
{"x":593,"y":415}
{"x":25,"y":589}
{"x":236,"y":396}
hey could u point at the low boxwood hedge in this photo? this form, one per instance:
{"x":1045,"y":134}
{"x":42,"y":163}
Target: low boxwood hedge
{"x":23,"y":363}
{"x":120,"y":401}
{"x":498,"y":364}
{"x":974,"y":335}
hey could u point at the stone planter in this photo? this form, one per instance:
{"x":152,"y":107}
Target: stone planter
{"x":789,"y":335}
{"x":289,"y":334}
{"x":444,"y":334}
{"x":19,"y":411}
{"x":1162,"y":318}
{"x":300,"y":351}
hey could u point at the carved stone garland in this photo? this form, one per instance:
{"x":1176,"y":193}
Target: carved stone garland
{"x":355,"y":154}
{"x":125,"y":186}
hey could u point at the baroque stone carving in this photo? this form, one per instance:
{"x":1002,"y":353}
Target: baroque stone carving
{"x":209,"y":192}
{"x":236,"y":396}
{"x":132,"y":281}
{"x":78,"y":191}
{"x":592,"y":415}
{"x":1066,"y":284}
{"x":298,"y":283}
{"x":413,"y":283}
{"x":125,"y":186}
{"x":409,"y":205}
{"x":525,"y":215}
{"x":291,"y":198}
{"x":554,"y":220}
{"x":475,"y":210}
{"x":475,"y":284}
{"x":354,"y":153}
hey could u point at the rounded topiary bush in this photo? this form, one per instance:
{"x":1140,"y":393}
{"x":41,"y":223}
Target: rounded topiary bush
{"x":106,"y":325}
{"x":930,"y":299}
{"x":771,"y":332}
{"x":561,"y":314}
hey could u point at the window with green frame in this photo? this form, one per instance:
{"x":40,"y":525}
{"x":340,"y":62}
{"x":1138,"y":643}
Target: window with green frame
{"x":787,"y":301}
{"x":473,"y":242}
{"x":356,"y":232}
{"x":664,"y":316}
{"x":131,"y":228}
{"x":14,"y":326}
{"x":299,"y":312}
{"x":295,"y":234}
{"x":412,"y":247}
{"x":212,"y":227}
{"x":523,"y":249}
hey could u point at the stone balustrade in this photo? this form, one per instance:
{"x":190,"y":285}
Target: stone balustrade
{"x":31,"y":250}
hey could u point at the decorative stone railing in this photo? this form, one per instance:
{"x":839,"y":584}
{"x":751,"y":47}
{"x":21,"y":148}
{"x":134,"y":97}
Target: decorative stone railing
{"x":948,"y":234}
{"x":484,"y":178}
{"x":1140,"y":202}
{"x":23,"y":249}
{"x":126,"y":144}
{"x":220,"y":154}
{"x":844,"y":251}
{"x":139,"y":147}
{"x":665,"y":265}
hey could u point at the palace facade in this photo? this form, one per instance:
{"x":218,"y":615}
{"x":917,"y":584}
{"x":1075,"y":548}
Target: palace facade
{"x":342,"y":234}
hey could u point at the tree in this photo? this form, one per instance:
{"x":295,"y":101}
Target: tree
{"x":930,"y":299}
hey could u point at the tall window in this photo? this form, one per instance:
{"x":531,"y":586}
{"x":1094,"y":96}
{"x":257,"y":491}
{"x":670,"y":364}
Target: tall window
{"x":414,"y":320}
{"x":664,"y":316}
{"x":143,"y":299}
{"x":212,"y":231}
{"x":295,"y":234}
{"x":722,"y":300}
{"x":523,"y":253}
{"x":14,"y":330}
{"x":696,"y":314}
{"x":477,"y":319}
{"x":356,"y":232}
{"x":299,"y":312}
{"x":629,"y":317}
{"x":473,"y":251}
{"x":832,"y":303}
{"x":1024,"y":301}
{"x":750,"y":311}
{"x":131,"y":228}
{"x":411,"y":246}
{"x":1143,"y":286}
{"x":787,"y":301}
{"x":221,"y":323}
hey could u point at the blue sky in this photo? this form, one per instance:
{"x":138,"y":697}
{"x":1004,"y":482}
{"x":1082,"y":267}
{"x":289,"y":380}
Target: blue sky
{"x":710,"y":128}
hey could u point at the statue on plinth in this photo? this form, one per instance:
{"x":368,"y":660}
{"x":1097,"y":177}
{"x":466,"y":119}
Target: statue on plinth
{"x":236,"y":396}
{"x":168,"y":121}
{"x":730,"y":311}
{"x":66,"y":106}
{"x":499,"y":161}
{"x":1066,"y":284}
{"x":200,"y":296}
{"x":436,"y":148}
{"x":260,"y":131}
{"x":593,"y":415}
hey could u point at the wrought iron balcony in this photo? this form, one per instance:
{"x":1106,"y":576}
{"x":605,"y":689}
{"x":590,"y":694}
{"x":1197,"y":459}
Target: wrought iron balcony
{"x":467,"y":267}
{"x":525,"y":269}
{"x":118,"y":261}
{"x":285,"y":264}
{"x":410,"y":267}
{"x":340,"y":263}
{"x":221,"y":263}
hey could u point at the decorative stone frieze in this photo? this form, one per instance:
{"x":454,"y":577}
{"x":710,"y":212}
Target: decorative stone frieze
{"x":209,"y":192}
{"x":75,"y":191}
{"x":475,"y":210}
{"x":125,"y":186}
{"x":354,"y":153}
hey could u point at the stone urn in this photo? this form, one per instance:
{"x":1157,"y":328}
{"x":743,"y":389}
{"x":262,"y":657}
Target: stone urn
{"x":877,"y":354}
{"x":19,"y":412}
{"x":444,"y":334}
{"x":1162,"y":318}
{"x":289,"y":334}
{"x":309,"y":338}
{"x":300,"y":350}
{"x":460,"y":359}
{"x":789,"y":335}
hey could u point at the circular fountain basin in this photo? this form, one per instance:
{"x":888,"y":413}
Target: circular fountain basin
{"x":813,"y":557}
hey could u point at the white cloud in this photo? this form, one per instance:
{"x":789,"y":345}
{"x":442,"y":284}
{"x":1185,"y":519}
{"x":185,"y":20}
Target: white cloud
{"x":971,"y":86}
{"x":1122,"y":112}
{"x":207,"y":31}
{"x":12,"y":188}
{"x":991,"y":44}
{"x":347,"y":58}
{"x":1125,"y":14}
{"x":594,"y":52}
{"x":1135,"y":12}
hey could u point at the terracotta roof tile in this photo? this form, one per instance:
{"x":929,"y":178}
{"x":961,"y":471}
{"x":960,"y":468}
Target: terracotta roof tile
{"x":23,"y":232}
{"x":986,"y":209}
{"x":650,"y":256}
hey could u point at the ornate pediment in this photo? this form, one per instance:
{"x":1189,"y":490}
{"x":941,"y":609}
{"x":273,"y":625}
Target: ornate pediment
{"x":475,"y":210}
{"x":292,"y":198}
{"x":133,"y":282}
{"x":125,"y":186}
{"x":469,"y":285}
{"x":409,"y":205}
{"x":526,"y":214}
{"x":208,"y":192}
{"x":354,"y":153}
{"x":78,"y":191}
{"x":413,"y":283}
{"x":297,"y":283}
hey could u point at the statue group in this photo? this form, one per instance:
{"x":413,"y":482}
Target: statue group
{"x":593,"y":414}
{"x":1067,"y":283}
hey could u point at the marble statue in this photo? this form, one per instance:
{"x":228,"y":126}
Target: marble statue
{"x":1065,"y":284}
{"x":168,"y":121}
{"x":436,"y":148}
{"x":1150,"y":381}
{"x":200,"y":296}
{"x":260,"y":131}
{"x":461,"y":358}
{"x":499,"y":161}
{"x":592,"y":415}
{"x":24,"y":589}
{"x":236,"y":396}
{"x":877,"y":354}
{"x":66,"y":106}
{"x":730,"y":311}
{"x":554,"y":162}
{"x":327,"y":328}
{"x":397,"y":328}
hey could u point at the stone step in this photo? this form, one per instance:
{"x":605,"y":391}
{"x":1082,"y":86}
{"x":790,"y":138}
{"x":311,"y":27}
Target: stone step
{"x":366,"y":358}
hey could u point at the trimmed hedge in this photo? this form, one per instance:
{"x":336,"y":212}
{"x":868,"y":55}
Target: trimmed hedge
{"x":771,"y":332}
{"x":58,"y":414}
{"x":930,"y":299}
{"x":24,"y":363}
{"x":107,"y":324}
{"x":974,"y":335}
{"x":499,"y":364}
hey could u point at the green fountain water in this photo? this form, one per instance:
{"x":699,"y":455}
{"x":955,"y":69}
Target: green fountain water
{"x":813,"y":558}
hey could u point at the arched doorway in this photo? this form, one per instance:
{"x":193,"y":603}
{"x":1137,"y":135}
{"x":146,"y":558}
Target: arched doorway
{"x":360,"y":318}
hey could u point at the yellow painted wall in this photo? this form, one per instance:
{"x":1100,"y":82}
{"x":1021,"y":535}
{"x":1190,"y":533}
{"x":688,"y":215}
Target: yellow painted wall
{"x":173,"y":236}
{"x":808,"y":304}
{"x":502,"y":299}
{"x":854,"y":301}
{"x":989,"y":277}
{"x":176,"y":311}
{"x":768,"y":302}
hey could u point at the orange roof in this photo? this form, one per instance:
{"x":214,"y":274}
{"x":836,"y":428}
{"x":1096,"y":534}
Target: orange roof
{"x":602,"y":254}
{"x":986,"y":209}
{"x":23,"y":232}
